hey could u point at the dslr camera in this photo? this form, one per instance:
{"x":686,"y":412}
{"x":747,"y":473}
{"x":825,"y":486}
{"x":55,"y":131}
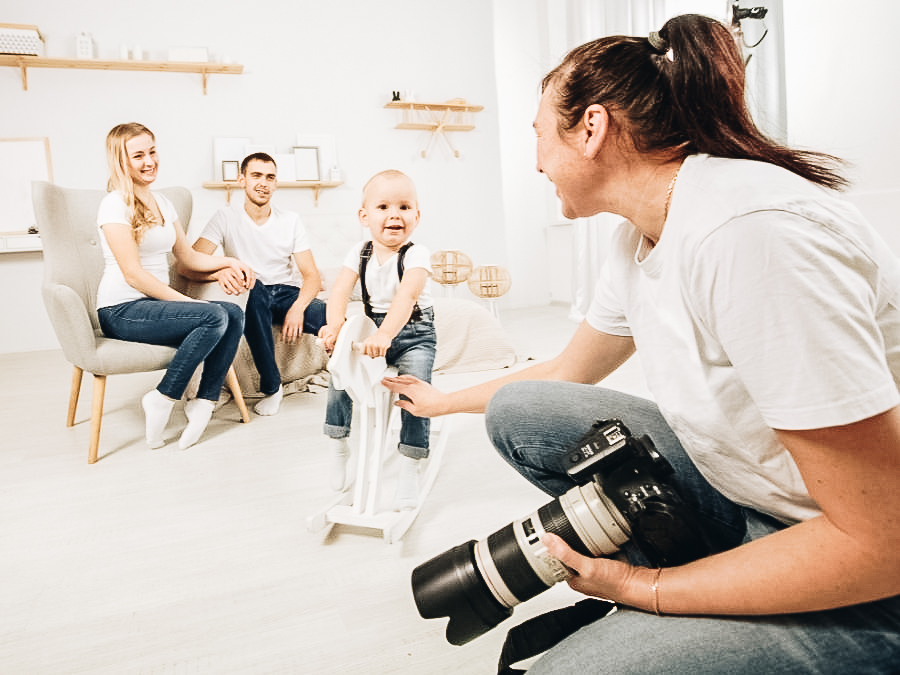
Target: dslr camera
{"x":623,"y":494}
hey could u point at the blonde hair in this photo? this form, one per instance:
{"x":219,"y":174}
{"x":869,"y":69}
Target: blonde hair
{"x":139,"y":214}
{"x":387,"y":173}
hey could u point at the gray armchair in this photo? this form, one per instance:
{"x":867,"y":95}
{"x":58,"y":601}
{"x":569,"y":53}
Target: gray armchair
{"x":73,"y":264}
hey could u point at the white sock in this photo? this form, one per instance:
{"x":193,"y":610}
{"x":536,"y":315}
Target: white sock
{"x":407,"y":497}
{"x":270,"y":404}
{"x":340,"y":453}
{"x":157,"y":409}
{"x":198,"y":411}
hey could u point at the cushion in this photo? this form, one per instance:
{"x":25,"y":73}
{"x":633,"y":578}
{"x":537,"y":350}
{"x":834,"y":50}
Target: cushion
{"x":469,"y":338}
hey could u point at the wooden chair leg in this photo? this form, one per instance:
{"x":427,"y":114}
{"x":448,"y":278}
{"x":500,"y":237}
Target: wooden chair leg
{"x":231,"y":380}
{"x":73,"y":395}
{"x":96,"y":416}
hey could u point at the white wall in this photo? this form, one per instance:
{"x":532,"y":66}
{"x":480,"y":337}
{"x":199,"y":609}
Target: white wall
{"x":310,"y":66}
{"x":843,"y":96}
{"x":329,"y":67}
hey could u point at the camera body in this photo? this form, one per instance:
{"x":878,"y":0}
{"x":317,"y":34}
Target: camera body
{"x":635,"y":478}
{"x":623,"y":493}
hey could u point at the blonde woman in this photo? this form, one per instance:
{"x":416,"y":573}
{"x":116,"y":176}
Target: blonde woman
{"x":135,"y":302}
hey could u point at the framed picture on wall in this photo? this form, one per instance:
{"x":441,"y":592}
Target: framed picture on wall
{"x":230,"y":171}
{"x":306,"y":163}
{"x":22,"y":160}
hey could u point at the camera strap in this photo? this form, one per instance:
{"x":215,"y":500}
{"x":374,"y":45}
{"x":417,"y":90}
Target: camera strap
{"x":540,"y":633}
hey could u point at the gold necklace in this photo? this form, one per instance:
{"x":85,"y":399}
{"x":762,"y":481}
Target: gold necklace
{"x":669,"y":192}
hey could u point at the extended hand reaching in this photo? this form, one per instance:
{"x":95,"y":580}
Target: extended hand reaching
{"x":421,"y":399}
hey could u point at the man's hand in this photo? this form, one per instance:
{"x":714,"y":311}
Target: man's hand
{"x":292,"y":328}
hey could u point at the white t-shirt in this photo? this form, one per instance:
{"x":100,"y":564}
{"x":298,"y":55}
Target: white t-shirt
{"x":767,"y":303}
{"x":382,"y":280}
{"x":268,"y":248}
{"x":153,"y":250}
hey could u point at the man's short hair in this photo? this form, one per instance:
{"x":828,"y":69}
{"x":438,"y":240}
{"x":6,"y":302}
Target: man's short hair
{"x":261,"y":156}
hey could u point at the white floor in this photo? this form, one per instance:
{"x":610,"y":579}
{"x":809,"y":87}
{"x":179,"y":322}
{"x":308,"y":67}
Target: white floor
{"x":200,"y":562}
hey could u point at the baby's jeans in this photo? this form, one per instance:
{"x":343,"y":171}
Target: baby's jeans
{"x":412,"y":352}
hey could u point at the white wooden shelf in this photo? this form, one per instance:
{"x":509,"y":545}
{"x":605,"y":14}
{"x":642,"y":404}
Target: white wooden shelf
{"x":315,"y":185}
{"x":19,"y":242}
{"x":204,"y":69}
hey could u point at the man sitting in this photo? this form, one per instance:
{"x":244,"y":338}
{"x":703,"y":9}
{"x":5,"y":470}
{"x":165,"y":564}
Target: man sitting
{"x":275,"y":244}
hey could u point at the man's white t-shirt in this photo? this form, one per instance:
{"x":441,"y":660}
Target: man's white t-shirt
{"x":382,"y":280}
{"x":268,"y":248}
{"x":153,"y":249}
{"x":767,"y":303}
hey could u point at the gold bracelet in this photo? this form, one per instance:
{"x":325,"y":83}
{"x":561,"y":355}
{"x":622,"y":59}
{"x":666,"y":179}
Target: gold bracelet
{"x":654,"y":588}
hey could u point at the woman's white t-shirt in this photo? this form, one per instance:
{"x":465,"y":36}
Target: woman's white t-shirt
{"x":153,"y":250}
{"x":768,"y":303}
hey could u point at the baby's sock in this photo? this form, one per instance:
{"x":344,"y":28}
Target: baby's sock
{"x":157,"y":409}
{"x":340,"y":453}
{"x":198,"y":411}
{"x":407,"y":497}
{"x":270,"y":404}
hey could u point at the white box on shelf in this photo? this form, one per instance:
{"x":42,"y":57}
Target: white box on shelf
{"x":20,"y":39}
{"x":189,"y":54}
{"x":84,"y":46}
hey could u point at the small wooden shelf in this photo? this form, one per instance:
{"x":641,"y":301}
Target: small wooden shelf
{"x":314,"y":185}
{"x":415,"y":105}
{"x":439,"y":118}
{"x":204,"y":69}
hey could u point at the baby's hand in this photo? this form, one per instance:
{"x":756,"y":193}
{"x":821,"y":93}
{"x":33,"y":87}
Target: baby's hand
{"x":376,"y":345}
{"x":328,"y":335}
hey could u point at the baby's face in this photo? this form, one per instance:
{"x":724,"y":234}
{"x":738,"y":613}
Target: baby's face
{"x":390,"y":211}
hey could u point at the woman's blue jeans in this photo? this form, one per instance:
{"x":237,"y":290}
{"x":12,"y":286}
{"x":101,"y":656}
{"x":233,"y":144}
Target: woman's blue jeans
{"x":534,"y":424}
{"x":412,"y":352}
{"x":267,"y":305}
{"x":201,"y":332}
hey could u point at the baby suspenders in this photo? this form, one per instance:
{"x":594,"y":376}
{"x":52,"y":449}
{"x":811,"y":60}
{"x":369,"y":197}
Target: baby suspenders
{"x":364,"y":255}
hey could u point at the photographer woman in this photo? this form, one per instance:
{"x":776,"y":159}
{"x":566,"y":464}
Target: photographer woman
{"x":766,"y":313}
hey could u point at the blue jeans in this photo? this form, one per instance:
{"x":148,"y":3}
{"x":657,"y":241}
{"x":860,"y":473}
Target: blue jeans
{"x":532,"y":424}
{"x":412,"y":352}
{"x":267,"y":305}
{"x":201,"y":332}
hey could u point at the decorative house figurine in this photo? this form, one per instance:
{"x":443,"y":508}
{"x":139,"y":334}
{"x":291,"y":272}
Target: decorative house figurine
{"x":84,"y":46}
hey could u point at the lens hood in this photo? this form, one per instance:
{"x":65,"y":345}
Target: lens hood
{"x":450,"y":585}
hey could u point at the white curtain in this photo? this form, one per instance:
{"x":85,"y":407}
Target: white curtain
{"x":588,"y":20}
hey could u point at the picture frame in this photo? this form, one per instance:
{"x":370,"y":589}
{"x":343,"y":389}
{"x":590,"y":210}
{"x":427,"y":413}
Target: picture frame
{"x":306,"y":163}
{"x":22,"y":160}
{"x":227,"y":149}
{"x":231,"y":169}
{"x":327,"y":150}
